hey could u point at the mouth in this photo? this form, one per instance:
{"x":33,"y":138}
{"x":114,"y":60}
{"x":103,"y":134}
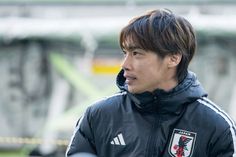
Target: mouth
{"x":130,"y":79}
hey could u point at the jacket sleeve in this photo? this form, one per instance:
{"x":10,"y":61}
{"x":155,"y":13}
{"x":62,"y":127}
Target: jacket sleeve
{"x":82,"y":139}
{"x":225,"y":144}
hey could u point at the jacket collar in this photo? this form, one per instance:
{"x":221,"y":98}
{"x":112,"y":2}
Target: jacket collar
{"x":160,"y":101}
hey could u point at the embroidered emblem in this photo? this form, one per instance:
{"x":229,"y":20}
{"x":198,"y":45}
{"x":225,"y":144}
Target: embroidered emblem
{"x":182,"y":143}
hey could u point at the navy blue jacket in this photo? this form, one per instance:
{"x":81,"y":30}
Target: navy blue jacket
{"x":180,"y":123}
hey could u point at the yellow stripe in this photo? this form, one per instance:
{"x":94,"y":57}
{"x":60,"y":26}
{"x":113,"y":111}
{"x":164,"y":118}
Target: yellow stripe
{"x":105,"y":69}
{"x":106,"y":66}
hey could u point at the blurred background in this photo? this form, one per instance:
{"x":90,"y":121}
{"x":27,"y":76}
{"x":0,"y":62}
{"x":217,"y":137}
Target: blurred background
{"x":59,"y":56}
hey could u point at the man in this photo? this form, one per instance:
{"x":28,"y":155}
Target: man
{"x":162,"y":110}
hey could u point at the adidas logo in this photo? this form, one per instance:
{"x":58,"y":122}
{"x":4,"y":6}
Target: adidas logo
{"x":118,"y":140}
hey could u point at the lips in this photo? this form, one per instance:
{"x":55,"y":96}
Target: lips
{"x":129,"y":79}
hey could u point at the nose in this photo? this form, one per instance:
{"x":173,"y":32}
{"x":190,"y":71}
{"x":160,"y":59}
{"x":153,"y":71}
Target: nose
{"x":126,"y":64}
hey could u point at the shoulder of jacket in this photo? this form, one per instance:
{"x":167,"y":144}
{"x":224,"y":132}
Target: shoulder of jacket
{"x":215,"y":114}
{"x":224,"y":126}
{"x":107,"y":103}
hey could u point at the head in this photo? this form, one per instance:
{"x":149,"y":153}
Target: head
{"x":168,"y":43}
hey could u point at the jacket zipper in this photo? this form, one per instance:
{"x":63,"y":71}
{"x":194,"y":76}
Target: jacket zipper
{"x":151,"y":145}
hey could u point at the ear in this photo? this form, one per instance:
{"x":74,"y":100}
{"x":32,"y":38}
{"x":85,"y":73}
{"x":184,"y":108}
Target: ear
{"x":174,"y":60}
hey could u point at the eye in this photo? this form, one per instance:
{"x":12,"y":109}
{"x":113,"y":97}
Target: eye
{"x":124,"y":53}
{"x":135,"y":53}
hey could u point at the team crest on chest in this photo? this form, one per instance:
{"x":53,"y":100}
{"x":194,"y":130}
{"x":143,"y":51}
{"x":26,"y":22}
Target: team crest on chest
{"x":182,"y":143}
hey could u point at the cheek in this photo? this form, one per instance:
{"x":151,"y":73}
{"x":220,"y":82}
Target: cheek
{"x":154,"y":72}
{"x":148,"y":68}
{"x":148,"y":73}
{"x":143,"y":69}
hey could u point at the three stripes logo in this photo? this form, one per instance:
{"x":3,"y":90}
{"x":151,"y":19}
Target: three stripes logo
{"x":118,"y":140}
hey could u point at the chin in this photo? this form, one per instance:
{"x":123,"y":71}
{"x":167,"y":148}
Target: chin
{"x":131,"y":90}
{"x":134,"y":91}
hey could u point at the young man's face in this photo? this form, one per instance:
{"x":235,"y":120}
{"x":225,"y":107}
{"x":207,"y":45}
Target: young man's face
{"x":146,"y":71}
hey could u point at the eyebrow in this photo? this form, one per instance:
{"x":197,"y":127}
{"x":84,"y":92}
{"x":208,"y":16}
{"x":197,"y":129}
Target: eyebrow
{"x":132,"y":47}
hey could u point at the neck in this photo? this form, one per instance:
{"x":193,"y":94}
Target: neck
{"x":170,"y":81}
{"x":169,"y":84}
